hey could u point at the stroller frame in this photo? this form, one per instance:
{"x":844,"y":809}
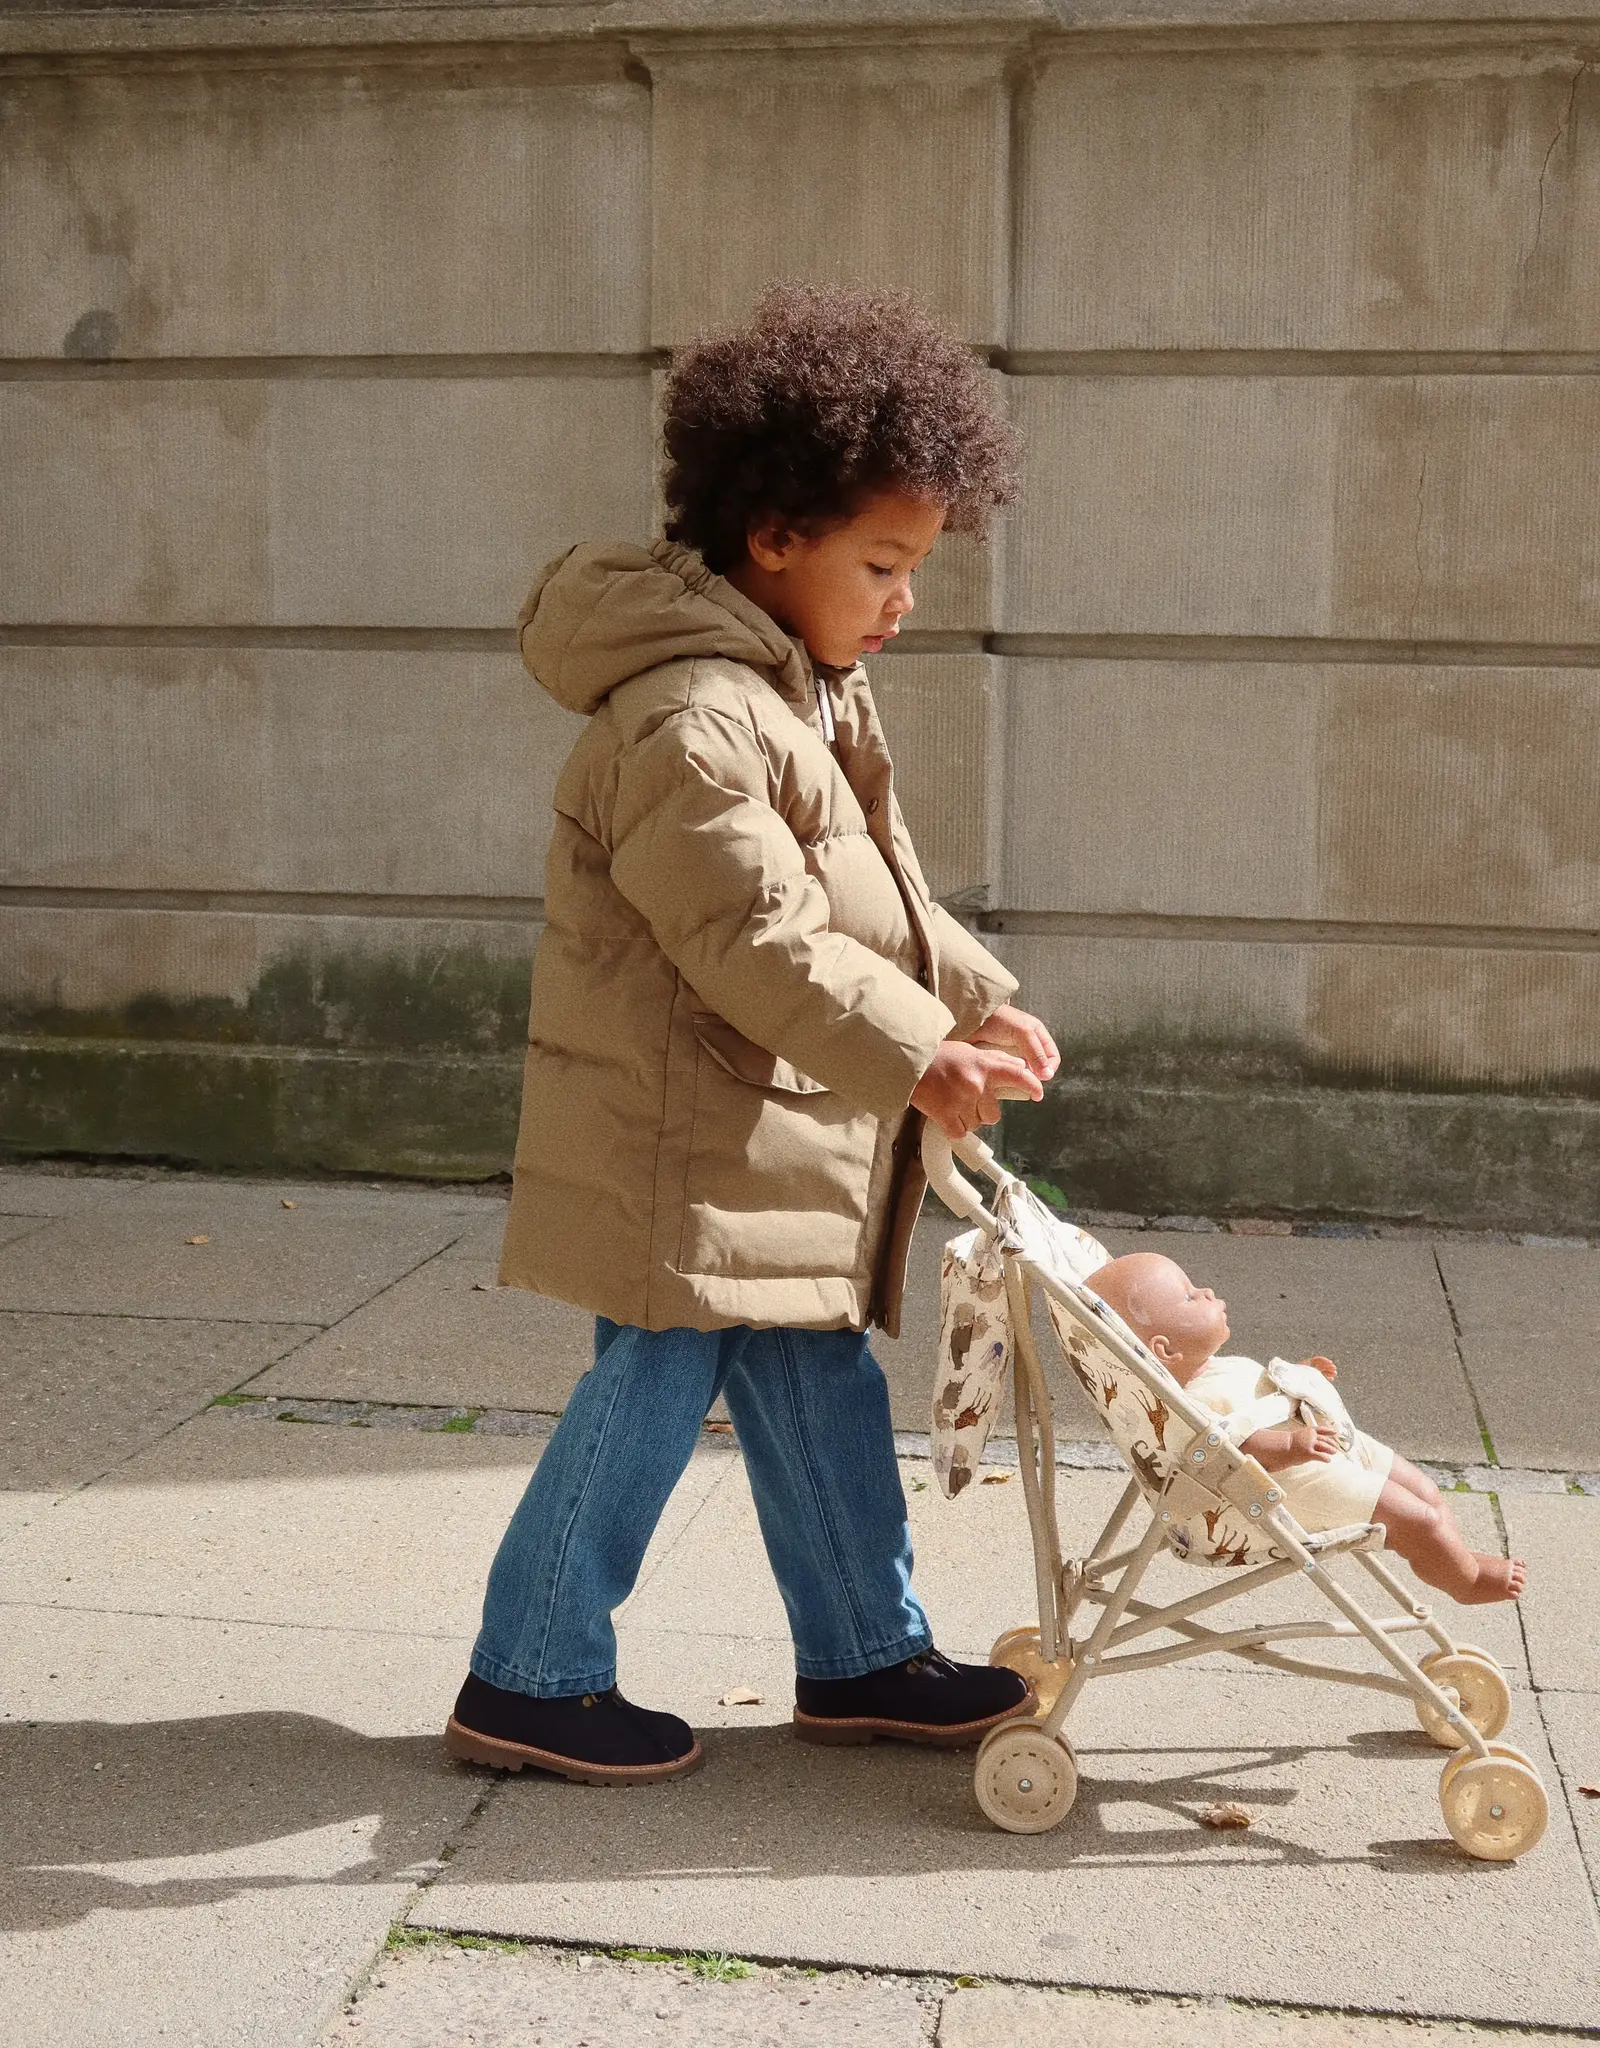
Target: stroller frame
{"x":1212,"y":1470}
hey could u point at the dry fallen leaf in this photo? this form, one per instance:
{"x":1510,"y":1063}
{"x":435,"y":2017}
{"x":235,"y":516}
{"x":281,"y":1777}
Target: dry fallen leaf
{"x":1227,"y":1815}
{"x":197,"y":1240}
{"x":287,"y":1204}
{"x":720,"y":1428}
{"x":481,"y":1287}
{"x":739,"y":1696}
{"x":1590,"y":1791}
{"x":996,"y":1478}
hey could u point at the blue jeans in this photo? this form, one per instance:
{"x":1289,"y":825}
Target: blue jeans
{"x":812,"y":1413}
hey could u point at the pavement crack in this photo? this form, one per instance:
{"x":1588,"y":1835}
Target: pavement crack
{"x":315,"y":1628}
{"x":1481,"y":1418}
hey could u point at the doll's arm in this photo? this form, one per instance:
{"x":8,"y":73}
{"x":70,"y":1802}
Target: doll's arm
{"x":1272,"y":1449}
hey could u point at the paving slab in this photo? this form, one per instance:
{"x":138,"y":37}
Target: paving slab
{"x":84,"y":1392}
{"x":974,"y":1571}
{"x":485,"y":1228}
{"x":1026,"y":2018}
{"x":1529,"y":1320}
{"x":1375,"y":1307}
{"x":421,"y":1998}
{"x":325,"y":1528}
{"x":1572,"y":1723}
{"x":48,"y":1191}
{"x":13,"y":1227}
{"x":1560,"y":1539}
{"x":1496,"y":1628}
{"x":262,"y":1261}
{"x":210,"y":1826}
{"x":18,"y":1507}
{"x":879,"y":1858}
{"x":446,"y":1334}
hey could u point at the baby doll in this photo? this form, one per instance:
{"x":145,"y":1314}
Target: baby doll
{"x":1289,"y":1419}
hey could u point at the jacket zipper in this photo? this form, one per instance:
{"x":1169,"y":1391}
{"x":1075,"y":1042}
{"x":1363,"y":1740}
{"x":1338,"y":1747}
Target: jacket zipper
{"x":825,"y":710}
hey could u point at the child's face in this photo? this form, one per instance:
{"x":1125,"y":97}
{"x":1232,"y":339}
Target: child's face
{"x":843,"y":592}
{"x":1183,"y":1325}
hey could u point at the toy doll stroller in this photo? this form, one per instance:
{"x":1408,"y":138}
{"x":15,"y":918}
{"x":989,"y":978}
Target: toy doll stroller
{"x":1208,"y":1503}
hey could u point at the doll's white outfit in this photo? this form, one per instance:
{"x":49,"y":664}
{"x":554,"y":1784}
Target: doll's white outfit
{"x":1249,"y":1396}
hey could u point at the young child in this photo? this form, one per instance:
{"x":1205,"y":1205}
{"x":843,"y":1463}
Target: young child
{"x":744,"y":1003}
{"x":1332,"y":1475}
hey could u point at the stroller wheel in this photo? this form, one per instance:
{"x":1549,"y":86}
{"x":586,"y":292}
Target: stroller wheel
{"x":1479,"y":1685}
{"x":1013,"y":1639}
{"x":1019,"y":1650}
{"x":1494,"y":1805}
{"x":1025,"y":1780}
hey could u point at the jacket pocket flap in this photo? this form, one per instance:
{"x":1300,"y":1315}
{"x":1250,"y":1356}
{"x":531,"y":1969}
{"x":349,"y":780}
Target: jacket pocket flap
{"x":747,"y":1061}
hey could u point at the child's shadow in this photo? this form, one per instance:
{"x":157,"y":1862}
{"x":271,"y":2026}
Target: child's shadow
{"x":173,"y":1813}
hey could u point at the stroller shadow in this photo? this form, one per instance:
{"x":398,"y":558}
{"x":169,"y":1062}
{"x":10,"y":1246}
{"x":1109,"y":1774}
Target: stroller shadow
{"x":768,"y":1806}
{"x":103,"y":1815}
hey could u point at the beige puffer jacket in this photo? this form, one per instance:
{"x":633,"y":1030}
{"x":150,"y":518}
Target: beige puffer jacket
{"x":741,"y":979}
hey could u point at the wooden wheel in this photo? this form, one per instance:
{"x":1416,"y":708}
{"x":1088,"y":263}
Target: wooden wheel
{"x":1025,"y":1780}
{"x":1478,"y":1684}
{"x":1494,"y":1806}
{"x":1019,"y":1650}
{"x":1508,"y":1750}
{"x":1465,"y":1650}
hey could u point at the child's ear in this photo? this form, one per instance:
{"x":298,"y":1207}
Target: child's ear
{"x":770,"y":544}
{"x":1163,"y":1350}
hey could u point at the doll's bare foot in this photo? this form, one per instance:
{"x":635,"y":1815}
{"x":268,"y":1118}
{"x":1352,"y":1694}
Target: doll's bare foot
{"x":1497,"y":1578}
{"x":1425,"y":1533}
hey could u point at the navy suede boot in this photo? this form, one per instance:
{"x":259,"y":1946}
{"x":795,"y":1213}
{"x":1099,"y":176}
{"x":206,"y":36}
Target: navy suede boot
{"x":594,"y":1738}
{"x":926,"y":1699}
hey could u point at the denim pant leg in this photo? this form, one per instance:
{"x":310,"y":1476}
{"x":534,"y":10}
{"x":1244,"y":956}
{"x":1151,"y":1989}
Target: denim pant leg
{"x":812,"y":1411}
{"x":574,"y":1546}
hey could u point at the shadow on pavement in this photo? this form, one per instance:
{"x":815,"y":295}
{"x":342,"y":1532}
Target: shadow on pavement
{"x":164,"y":1813}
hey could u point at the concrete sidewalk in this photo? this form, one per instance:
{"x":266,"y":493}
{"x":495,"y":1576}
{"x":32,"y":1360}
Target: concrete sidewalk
{"x":231,"y":1644}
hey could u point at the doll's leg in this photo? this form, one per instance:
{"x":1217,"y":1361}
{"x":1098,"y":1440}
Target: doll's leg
{"x":1423,"y":1531}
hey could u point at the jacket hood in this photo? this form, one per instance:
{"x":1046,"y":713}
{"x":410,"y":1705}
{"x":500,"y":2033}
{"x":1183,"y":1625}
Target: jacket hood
{"x":605,"y":612}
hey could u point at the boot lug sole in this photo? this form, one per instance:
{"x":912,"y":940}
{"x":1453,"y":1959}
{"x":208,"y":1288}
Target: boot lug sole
{"x":496,"y":1754}
{"x":962,"y":1735}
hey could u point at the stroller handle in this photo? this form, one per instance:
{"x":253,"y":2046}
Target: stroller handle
{"x":939,"y":1158}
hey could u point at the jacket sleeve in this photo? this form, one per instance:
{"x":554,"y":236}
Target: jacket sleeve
{"x":701,"y":853}
{"x":972,"y":982}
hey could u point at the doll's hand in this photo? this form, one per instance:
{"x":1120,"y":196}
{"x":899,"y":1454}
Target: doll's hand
{"x":1325,"y":1366}
{"x":1014,"y":1031}
{"x":959,"y":1091}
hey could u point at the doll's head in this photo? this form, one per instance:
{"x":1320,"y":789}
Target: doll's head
{"x":1183,"y":1325}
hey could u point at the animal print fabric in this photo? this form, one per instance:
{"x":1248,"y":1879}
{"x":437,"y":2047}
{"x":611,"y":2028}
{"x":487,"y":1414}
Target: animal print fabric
{"x":975,"y":1354}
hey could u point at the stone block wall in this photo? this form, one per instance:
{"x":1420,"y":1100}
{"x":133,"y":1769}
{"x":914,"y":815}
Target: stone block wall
{"x":1262,"y":740}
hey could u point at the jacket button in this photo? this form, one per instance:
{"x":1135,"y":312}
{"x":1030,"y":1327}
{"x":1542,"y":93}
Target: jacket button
{"x":872,"y":803}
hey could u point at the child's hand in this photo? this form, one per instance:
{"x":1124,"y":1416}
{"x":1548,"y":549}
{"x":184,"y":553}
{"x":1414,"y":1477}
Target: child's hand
{"x":1325,"y":1366}
{"x":1014,"y":1031}
{"x":960,"y":1089}
{"x":1318,"y":1441}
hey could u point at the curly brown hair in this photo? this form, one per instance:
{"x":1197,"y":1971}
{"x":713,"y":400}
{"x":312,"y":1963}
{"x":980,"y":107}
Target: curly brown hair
{"x":827,"y":395}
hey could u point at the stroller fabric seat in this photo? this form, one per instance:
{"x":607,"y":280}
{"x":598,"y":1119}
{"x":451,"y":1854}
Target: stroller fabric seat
{"x":975,"y":1359}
